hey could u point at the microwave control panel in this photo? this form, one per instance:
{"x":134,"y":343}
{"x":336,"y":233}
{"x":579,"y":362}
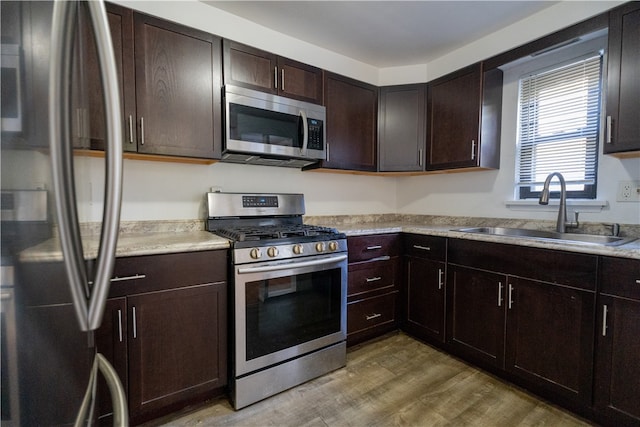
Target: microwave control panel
{"x":316,"y":137}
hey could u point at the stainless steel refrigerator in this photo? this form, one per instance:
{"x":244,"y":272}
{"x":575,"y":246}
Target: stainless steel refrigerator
{"x":52,"y":370}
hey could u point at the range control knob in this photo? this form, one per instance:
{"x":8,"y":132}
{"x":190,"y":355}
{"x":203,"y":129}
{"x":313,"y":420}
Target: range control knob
{"x":320,"y":247}
{"x":255,"y":253}
{"x":298,"y":249}
{"x":333,"y":246}
{"x":272,"y":252}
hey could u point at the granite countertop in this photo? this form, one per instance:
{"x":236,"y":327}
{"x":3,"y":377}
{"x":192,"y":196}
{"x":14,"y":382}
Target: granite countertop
{"x":132,"y":244}
{"x":147,"y":237}
{"x":629,"y":250}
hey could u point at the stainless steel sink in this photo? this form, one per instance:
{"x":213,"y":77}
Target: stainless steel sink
{"x":585,"y":239}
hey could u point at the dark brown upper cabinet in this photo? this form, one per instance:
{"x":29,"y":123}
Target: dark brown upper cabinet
{"x":464,"y":111}
{"x":622,"y":133}
{"x":402,"y":128}
{"x":256,"y":69}
{"x":170,"y":88}
{"x":352,"y":111}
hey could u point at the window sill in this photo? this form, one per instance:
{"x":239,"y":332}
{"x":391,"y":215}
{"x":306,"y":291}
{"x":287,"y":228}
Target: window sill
{"x":572,"y":204}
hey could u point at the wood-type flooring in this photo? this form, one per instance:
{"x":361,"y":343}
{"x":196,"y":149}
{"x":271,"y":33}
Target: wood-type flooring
{"x":392,"y":381}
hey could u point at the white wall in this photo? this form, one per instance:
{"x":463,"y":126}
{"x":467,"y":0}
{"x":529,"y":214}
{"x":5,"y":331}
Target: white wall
{"x":175,"y":191}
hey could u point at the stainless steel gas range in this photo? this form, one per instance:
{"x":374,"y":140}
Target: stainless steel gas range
{"x":290,"y":293}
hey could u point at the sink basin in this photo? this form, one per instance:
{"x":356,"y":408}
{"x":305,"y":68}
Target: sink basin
{"x":585,"y":239}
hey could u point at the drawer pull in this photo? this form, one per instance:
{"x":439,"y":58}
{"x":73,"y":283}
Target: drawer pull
{"x":424,"y":248}
{"x":134,"y":277}
{"x":637,"y":281}
{"x":373,"y":248}
{"x":373,"y":279}
{"x":373,"y":316}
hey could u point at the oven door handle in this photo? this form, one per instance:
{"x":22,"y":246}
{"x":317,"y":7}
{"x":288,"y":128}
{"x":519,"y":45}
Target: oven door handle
{"x":293,"y":264}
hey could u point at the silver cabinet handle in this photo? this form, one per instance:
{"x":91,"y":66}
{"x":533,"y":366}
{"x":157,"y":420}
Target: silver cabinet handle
{"x":141,"y":130}
{"x":424,"y":248}
{"x":510,"y":296}
{"x":500,"y":286}
{"x":130,"y":129}
{"x":605,"y":311}
{"x":275,"y":77}
{"x":420,"y":157}
{"x":440,"y":275}
{"x":473,"y":149}
{"x":327,"y":152}
{"x":125,"y":278}
{"x":373,"y":279}
{"x":373,"y":316}
{"x":637,"y":281}
{"x":134,"y":322}
{"x":282,"y":80}
{"x":120,"y":325}
{"x":609,"y":130}
{"x":373,"y":248}
{"x":89,"y":315}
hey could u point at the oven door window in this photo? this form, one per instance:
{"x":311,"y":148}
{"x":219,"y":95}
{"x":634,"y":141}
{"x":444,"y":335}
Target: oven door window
{"x":264,"y":127}
{"x":286,"y":311}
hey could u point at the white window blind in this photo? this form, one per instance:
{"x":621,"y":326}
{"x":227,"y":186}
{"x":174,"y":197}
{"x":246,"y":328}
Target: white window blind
{"x":559,"y":119}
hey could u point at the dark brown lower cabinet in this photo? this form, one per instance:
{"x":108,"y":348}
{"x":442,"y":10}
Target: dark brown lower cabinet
{"x":536,"y":331}
{"x":476,"y":314}
{"x":175,"y":346}
{"x":549,"y":337}
{"x":617,"y":367}
{"x":165,"y":332}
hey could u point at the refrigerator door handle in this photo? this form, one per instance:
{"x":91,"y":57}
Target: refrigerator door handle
{"x":113,"y":179}
{"x":118,"y":396}
{"x":88,"y":303}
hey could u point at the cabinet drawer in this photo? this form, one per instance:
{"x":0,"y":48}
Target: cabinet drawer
{"x":372,"y":276}
{"x":620,"y":277}
{"x":166,"y":271}
{"x":362,"y":248}
{"x":426,"y":247}
{"x":371,"y":312}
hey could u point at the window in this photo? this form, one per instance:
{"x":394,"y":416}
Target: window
{"x":558,"y":128}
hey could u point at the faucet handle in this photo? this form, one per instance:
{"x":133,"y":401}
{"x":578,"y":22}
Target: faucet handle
{"x":615,"y":228}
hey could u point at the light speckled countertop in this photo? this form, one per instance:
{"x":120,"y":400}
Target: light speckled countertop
{"x":156,"y":237}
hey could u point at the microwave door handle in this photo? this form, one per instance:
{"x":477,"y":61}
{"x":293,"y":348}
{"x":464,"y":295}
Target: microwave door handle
{"x":305,"y":133}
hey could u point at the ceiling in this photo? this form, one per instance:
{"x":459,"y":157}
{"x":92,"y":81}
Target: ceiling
{"x":385,"y":33}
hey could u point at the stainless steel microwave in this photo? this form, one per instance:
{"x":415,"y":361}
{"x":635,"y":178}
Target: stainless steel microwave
{"x":266,"y":129}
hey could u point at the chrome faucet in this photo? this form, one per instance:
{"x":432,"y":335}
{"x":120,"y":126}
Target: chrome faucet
{"x":563,"y":224}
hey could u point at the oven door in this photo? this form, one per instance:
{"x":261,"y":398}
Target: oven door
{"x":284,"y":309}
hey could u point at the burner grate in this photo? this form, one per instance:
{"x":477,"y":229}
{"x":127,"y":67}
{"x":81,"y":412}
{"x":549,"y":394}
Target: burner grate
{"x":252,"y":233}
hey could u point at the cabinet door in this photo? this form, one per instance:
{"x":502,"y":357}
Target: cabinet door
{"x":351,"y":123}
{"x":425,"y":298}
{"x":623,"y":85}
{"x":249,"y":67}
{"x":550,"y":337}
{"x":121,"y":26}
{"x":454,"y":119}
{"x":402,"y":128}
{"x":177,"y":346}
{"x":111,"y":342}
{"x":476,"y":314}
{"x":300,"y":81}
{"x":178,"y":89}
{"x":617,"y":385}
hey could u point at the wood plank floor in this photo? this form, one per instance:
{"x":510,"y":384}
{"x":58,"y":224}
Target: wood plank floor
{"x":393,"y":381}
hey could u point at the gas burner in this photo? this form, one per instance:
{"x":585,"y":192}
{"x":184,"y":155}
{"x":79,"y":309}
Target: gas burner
{"x":253,"y":233}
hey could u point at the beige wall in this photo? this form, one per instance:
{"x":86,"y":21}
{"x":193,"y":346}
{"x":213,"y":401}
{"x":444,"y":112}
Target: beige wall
{"x":174,"y":191}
